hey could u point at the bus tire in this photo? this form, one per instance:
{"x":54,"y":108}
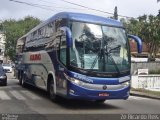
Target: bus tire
{"x":23,"y":80}
{"x":52,"y":94}
{"x":20,"y":78}
{"x":18,"y":75}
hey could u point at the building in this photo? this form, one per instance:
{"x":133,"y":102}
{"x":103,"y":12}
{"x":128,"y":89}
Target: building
{"x":135,"y":57}
{"x":134,"y":53}
{"x":2,"y":46}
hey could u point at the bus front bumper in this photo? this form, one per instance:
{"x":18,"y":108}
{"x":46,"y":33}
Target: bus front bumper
{"x":78,"y":92}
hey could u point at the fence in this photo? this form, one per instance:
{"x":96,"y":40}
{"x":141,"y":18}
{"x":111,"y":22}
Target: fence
{"x":150,"y":82}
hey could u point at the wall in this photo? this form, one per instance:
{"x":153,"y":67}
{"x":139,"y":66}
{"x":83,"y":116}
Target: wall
{"x":150,"y":82}
{"x":144,"y":65}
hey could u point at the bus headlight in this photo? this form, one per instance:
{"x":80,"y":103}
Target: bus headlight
{"x":73,"y":80}
{"x":126,"y":83}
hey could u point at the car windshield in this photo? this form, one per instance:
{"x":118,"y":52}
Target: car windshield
{"x":99,"y":48}
{"x":1,"y":69}
{"x":8,"y":65}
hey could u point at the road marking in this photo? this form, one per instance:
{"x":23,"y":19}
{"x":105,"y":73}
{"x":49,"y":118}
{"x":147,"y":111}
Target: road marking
{"x":4,"y":96}
{"x":30,"y":94}
{"x":17,"y":95}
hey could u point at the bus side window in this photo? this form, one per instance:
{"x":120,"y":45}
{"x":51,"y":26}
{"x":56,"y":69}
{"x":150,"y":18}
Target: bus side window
{"x":49,"y":29}
{"x":60,"y":23}
{"x":62,"y":50}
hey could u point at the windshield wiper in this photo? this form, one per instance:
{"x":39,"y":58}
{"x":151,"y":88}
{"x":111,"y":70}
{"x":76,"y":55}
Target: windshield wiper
{"x":109,"y":55}
{"x":117,"y":47}
{"x":117,"y":69}
{"x":95,"y":60}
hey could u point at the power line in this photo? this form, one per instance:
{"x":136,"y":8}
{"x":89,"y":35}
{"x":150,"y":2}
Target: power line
{"x":41,"y":6}
{"x":86,"y":7}
{"x":80,"y":6}
{"x":46,"y":7}
{"x":59,"y":7}
{"x":93,"y":8}
{"x":30,"y":4}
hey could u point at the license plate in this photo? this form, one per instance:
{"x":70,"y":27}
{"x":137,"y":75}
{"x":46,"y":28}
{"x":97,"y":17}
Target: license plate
{"x":103,"y":94}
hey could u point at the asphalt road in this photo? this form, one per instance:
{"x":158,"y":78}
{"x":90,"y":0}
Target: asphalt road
{"x":17,"y":100}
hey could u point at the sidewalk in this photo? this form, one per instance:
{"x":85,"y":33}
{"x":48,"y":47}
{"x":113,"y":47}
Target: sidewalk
{"x":143,"y":94}
{"x":154,"y":89}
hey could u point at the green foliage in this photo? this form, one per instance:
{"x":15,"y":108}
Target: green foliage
{"x":148,"y":29}
{"x":154,"y":71}
{"x":15,"y":29}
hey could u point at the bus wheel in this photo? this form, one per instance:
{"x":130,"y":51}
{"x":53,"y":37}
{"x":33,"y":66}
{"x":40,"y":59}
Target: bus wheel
{"x":52,"y":94}
{"x":99,"y":101}
{"x":20,"y":79}
{"x":23,"y":80}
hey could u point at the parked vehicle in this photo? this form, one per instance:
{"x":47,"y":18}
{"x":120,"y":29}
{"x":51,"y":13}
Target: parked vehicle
{"x":3,"y":77}
{"x":7,"y":67}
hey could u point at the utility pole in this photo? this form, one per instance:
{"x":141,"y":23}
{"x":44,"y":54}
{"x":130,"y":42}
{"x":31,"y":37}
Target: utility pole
{"x":115,"y":13}
{"x":158,"y":13}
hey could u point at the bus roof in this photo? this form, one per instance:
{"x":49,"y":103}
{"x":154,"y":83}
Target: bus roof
{"x":79,"y":17}
{"x":86,"y":18}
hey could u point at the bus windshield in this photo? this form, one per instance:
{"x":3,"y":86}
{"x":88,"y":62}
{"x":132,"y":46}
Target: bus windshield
{"x":99,"y":48}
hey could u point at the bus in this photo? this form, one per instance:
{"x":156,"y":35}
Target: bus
{"x":77,"y":56}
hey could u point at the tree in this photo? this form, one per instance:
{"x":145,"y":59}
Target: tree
{"x":147,"y":28}
{"x":1,"y":26}
{"x":15,"y":29}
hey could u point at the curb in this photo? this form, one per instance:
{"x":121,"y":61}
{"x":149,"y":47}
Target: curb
{"x":141,"y":94}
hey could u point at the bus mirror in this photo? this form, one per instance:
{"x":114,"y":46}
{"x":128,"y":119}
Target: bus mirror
{"x":139,"y":42}
{"x":68,"y":34}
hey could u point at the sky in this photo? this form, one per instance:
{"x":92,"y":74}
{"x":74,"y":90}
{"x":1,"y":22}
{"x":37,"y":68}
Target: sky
{"x":131,"y":8}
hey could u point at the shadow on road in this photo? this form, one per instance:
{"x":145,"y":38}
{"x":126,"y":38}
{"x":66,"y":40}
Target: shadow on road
{"x":62,"y":102}
{"x":87,"y":105}
{"x":72,"y":104}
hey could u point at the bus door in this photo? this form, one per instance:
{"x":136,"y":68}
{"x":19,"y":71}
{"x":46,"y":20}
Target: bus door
{"x":62,"y":62}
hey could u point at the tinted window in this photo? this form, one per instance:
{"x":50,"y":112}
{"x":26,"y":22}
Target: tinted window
{"x":60,"y":23}
{"x":63,"y":47}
